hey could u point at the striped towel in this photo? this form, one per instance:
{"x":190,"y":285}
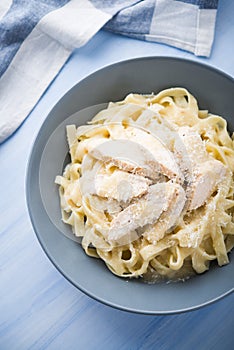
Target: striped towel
{"x":38,"y":36}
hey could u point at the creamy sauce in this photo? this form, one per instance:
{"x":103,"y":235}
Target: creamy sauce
{"x":182,"y":275}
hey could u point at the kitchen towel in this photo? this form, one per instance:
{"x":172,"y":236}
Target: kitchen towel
{"x":38,"y":36}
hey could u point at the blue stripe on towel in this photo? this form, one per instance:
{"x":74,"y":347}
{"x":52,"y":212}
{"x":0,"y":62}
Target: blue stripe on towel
{"x":203,"y":4}
{"x":18,"y":23}
{"x":115,"y":6}
{"x":133,"y":21}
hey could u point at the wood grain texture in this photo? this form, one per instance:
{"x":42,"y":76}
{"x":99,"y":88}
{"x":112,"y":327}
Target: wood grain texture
{"x":39,"y":309}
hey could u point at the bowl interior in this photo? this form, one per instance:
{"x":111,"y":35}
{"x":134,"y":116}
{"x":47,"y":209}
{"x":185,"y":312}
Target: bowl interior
{"x":213,"y":90}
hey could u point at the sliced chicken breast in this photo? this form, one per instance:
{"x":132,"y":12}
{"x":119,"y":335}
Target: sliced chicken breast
{"x":120,"y":185}
{"x":206,"y":178}
{"x":136,"y":150}
{"x":168,"y":218}
{"x":127,"y":156}
{"x":201,"y":171}
{"x":194,"y":145}
{"x":189,"y":150}
{"x":143,"y":211}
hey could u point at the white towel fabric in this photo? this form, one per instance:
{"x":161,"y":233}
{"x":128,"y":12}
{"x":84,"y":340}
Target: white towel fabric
{"x":36,"y":38}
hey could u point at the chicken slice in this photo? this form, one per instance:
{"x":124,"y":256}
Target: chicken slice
{"x":194,"y":144}
{"x":101,"y":180}
{"x":127,"y":156}
{"x":157,"y":156}
{"x":201,"y":172}
{"x":168,"y":218}
{"x":145,"y":210}
{"x":189,"y":150}
{"x":135,"y":150}
{"x":120,"y":185}
{"x":109,"y":205}
{"x":207,"y":177}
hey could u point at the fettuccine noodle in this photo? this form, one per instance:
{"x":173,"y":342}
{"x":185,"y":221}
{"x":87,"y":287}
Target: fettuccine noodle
{"x":150,"y":186}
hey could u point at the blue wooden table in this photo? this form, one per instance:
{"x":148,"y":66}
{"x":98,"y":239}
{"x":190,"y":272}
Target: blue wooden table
{"x":40,"y":309}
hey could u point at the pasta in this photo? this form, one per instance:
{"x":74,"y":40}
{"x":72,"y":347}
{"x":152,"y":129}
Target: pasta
{"x":150,"y":186}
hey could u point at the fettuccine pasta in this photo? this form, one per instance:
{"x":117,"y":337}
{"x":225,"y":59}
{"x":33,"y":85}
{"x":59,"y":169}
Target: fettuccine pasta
{"x":150,"y":186}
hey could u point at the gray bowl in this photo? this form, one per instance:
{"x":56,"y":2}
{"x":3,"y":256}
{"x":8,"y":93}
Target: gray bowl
{"x":214,"y":91}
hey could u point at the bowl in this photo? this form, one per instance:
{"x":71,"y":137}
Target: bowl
{"x":214,"y":91}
